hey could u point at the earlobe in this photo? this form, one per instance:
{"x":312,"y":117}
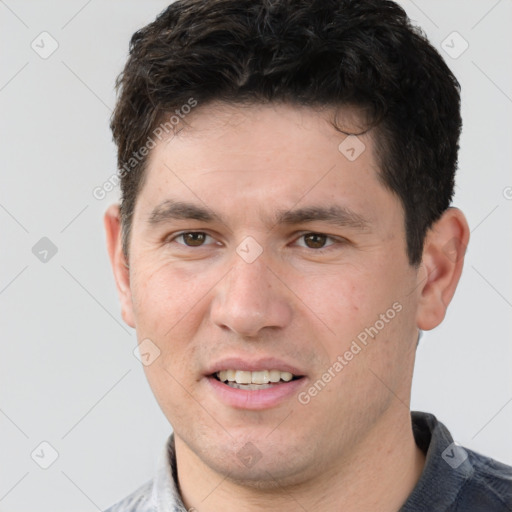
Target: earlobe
{"x":441,"y":267}
{"x":112,"y":223}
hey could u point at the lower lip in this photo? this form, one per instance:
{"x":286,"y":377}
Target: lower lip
{"x":256,"y":399}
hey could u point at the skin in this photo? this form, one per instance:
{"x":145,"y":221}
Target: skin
{"x":351,"y":446}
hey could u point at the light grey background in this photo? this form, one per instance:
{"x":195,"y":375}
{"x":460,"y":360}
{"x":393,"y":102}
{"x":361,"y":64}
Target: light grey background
{"x":68,"y":375}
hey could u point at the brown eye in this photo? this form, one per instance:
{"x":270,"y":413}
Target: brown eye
{"x":193,"y":239}
{"x":315,"y":240}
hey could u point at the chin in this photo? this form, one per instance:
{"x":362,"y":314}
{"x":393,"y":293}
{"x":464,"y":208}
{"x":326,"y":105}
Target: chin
{"x":267,"y":467}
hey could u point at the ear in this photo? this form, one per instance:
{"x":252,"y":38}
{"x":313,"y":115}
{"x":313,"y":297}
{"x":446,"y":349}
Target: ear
{"x":441,"y":267}
{"x":112,"y":223}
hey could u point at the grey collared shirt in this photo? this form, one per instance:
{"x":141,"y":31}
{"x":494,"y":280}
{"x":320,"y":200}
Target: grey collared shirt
{"x":454,"y":479}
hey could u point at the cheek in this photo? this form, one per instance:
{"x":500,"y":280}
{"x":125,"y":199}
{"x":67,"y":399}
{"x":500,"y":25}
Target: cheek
{"x":165,"y":298}
{"x":345,"y":300}
{"x":172,"y":378}
{"x":365,"y":307}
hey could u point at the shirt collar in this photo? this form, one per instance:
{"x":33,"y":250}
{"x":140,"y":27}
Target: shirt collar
{"x":447,"y":466}
{"x":165,"y":494}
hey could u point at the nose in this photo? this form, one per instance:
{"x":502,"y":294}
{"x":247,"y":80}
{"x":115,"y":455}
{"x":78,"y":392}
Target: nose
{"x":251,"y":299}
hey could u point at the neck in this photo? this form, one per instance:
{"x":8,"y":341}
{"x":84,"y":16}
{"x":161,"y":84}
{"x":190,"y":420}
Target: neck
{"x":379,"y":474}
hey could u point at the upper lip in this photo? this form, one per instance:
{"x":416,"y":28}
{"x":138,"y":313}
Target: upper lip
{"x":253,"y":365}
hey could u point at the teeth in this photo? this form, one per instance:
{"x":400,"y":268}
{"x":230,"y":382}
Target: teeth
{"x":259,"y":377}
{"x":249,"y":386}
{"x":274,"y":375}
{"x":242,"y":377}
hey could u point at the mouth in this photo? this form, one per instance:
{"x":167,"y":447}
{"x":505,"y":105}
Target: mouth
{"x":254,"y":380}
{"x":257,"y":384}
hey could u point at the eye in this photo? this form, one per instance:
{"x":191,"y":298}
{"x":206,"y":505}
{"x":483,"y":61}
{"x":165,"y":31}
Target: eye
{"x":191,"y":238}
{"x":316,"y":241}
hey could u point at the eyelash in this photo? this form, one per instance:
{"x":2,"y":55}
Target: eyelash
{"x":335,"y":240}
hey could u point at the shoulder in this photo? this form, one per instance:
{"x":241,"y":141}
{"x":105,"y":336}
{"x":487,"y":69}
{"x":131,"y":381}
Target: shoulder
{"x":489,"y":486}
{"x":455,"y":478}
{"x":138,"y":501}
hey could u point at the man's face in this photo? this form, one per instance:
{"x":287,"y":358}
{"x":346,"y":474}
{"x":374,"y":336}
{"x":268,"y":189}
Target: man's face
{"x":297,"y":260}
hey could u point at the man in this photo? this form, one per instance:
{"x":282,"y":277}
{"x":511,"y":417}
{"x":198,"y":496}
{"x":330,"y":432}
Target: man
{"x":285,"y":234}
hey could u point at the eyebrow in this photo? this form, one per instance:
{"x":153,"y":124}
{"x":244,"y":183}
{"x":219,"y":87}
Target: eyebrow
{"x":334,"y":214}
{"x":179,"y":210}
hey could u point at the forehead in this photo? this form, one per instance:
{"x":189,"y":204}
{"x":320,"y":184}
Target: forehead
{"x":273,"y":156}
{"x":261,"y":130}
